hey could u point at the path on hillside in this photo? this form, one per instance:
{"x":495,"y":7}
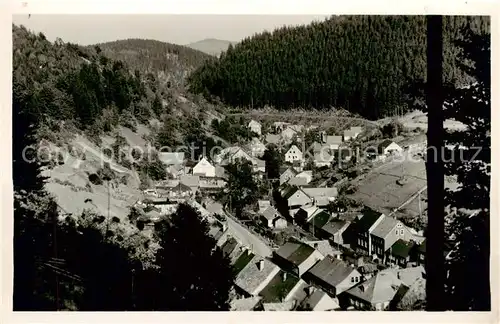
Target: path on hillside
{"x":305,"y":116}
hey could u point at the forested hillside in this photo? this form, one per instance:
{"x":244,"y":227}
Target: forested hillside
{"x":64,"y":81}
{"x":152,"y":56}
{"x":92,"y":88}
{"x":361,"y":63}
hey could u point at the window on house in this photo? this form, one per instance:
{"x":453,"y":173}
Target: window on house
{"x":352,"y":279}
{"x":356,"y":279}
{"x":401,"y":232}
{"x":397,"y":232}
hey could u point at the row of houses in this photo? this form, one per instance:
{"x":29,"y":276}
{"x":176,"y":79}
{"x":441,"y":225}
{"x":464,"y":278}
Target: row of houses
{"x":299,"y":276}
{"x":310,"y":275}
{"x":287,"y":132}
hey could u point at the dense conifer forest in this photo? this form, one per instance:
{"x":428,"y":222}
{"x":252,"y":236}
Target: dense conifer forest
{"x":361,"y":63}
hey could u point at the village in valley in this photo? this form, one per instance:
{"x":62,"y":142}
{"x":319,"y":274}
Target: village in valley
{"x":314,"y":237}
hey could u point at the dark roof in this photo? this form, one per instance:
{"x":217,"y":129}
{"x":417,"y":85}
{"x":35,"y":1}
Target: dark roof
{"x":242,"y":261}
{"x":320,"y":219}
{"x":331,"y":270}
{"x":277,"y":288}
{"x":229,"y":246}
{"x":384,"y":144}
{"x":401,"y":248}
{"x":369,"y":218}
{"x":181,"y":187}
{"x":290,"y":192}
{"x":295,"y":251}
{"x":333,"y":226}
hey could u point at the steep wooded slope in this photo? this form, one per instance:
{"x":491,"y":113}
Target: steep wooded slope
{"x":361,"y":63}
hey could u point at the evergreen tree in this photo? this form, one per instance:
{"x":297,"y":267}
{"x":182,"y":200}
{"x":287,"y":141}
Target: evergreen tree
{"x":469,"y":160}
{"x":242,"y":187}
{"x":193,"y":274}
{"x":471,"y":164}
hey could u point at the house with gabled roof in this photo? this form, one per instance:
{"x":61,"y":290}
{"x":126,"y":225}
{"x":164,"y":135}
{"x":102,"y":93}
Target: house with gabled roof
{"x":181,"y":190}
{"x":296,"y":198}
{"x":399,"y":253}
{"x":324,"y":247}
{"x":375,"y":293}
{"x":388,"y":147}
{"x":321,"y":196}
{"x":271,"y":218}
{"x":298,"y":181}
{"x":255,"y":127}
{"x":296,"y":257}
{"x":317,"y":221}
{"x":204,"y":168}
{"x":334,"y":230}
{"x":280,"y":288}
{"x":287,"y":174}
{"x":364,"y":226}
{"x":305,"y":213}
{"x":332,"y":275}
{"x":230,"y":155}
{"x":255,"y":275}
{"x":319,"y":301}
{"x":387,"y":231}
{"x":294,"y":154}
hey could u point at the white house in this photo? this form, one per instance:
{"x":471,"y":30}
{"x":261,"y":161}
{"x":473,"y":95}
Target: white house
{"x":272,"y":219}
{"x":257,"y":148}
{"x":293,"y":154}
{"x":389,"y":147}
{"x":296,"y":198}
{"x":204,"y":168}
{"x":255,"y":127}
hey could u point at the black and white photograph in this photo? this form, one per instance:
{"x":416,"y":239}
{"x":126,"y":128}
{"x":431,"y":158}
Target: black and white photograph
{"x":220,"y":163}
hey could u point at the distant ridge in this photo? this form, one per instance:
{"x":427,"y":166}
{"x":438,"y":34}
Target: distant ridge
{"x":211,"y":46}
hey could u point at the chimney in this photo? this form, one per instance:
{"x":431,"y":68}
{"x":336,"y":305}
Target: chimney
{"x":399,"y":274}
{"x":284,"y":276}
{"x":309,"y":291}
{"x":260,"y":265}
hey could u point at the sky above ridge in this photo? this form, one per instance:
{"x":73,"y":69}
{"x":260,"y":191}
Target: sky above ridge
{"x":177,"y":29}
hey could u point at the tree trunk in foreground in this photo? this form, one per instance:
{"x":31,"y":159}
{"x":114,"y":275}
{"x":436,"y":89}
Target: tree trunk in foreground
{"x":435,"y":169}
